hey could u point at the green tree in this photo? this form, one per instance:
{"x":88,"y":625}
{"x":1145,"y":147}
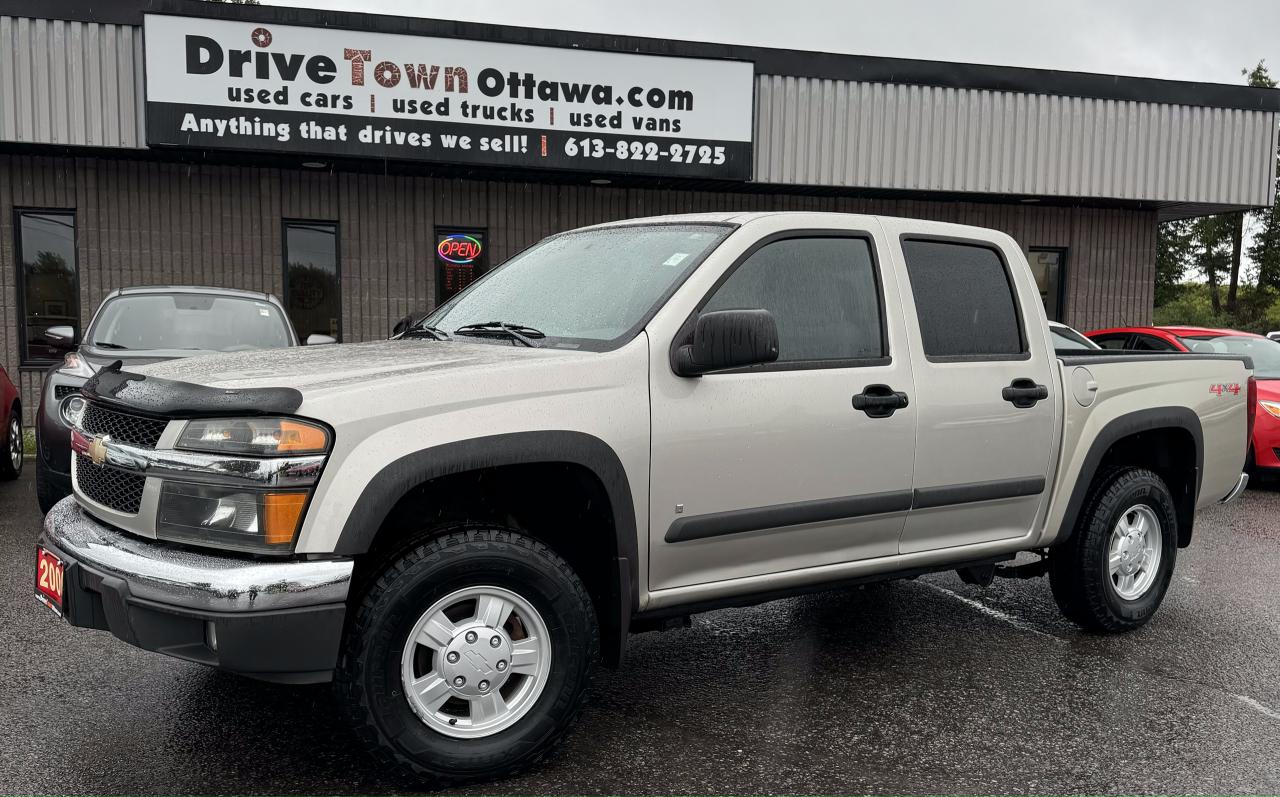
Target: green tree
{"x":1211,"y":252}
{"x":1175,"y":245}
{"x":1265,"y":249}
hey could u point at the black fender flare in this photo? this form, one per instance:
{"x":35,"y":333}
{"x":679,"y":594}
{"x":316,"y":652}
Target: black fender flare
{"x":396,"y":479}
{"x":1117,"y":429}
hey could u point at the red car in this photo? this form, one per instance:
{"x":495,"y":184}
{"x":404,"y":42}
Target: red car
{"x":1264,"y":453}
{"x":10,"y":429}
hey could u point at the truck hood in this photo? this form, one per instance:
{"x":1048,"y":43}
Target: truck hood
{"x":320,"y":370}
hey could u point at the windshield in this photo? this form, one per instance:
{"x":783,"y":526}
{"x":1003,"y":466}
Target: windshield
{"x":587,"y":289}
{"x":1265,"y":353}
{"x":205,"y":322}
{"x":1064,"y":338}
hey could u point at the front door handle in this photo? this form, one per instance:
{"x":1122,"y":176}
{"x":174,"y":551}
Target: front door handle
{"x":1024,"y":393}
{"x":879,"y":401}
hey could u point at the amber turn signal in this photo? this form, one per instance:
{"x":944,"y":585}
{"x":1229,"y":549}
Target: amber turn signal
{"x":280,"y":515}
{"x":295,"y":436}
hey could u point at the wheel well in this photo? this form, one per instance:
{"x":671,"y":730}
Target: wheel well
{"x":563,"y":505}
{"x":1171,"y":453}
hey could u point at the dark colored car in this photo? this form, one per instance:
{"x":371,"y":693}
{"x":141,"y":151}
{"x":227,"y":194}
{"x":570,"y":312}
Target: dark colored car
{"x":141,"y":326}
{"x":1264,"y":448}
{"x":10,"y":429}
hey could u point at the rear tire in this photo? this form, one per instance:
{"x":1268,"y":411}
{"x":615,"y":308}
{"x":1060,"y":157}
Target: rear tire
{"x":476,"y":710}
{"x":1113,"y":572}
{"x":12,"y":453}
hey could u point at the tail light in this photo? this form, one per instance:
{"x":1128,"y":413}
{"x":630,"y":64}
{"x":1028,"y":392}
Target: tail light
{"x":1253,"y":407}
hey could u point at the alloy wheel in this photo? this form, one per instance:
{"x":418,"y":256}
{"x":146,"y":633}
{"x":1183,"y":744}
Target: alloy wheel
{"x":1133,"y":558}
{"x":476,"y":661}
{"x":15,"y":443}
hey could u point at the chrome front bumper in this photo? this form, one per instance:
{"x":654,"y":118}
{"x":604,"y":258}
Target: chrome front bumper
{"x":185,"y":579}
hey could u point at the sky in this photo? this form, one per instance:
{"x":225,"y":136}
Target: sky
{"x":1174,"y":39}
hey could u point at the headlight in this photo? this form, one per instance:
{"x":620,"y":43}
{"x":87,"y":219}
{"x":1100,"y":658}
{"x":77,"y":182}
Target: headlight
{"x":230,"y":517}
{"x":75,"y":365}
{"x":72,"y":410}
{"x":1272,"y":408}
{"x":257,"y":436}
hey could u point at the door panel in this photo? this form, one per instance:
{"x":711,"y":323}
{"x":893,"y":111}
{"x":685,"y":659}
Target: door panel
{"x":771,"y":468}
{"x":981,"y":460}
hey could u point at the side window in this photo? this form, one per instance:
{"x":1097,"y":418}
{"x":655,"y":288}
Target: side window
{"x":822,"y":293}
{"x":49,"y":280}
{"x":964,"y":300}
{"x":1150,"y":343}
{"x":1118,"y":341}
{"x":312,"y":287}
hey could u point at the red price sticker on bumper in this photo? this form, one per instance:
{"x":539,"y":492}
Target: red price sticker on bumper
{"x":50,"y":573}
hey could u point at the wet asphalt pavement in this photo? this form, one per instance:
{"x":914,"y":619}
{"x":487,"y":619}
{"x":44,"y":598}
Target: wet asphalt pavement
{"x":929,"y":686}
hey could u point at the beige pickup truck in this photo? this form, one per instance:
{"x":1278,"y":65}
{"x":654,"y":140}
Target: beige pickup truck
{"x":623,"y":425}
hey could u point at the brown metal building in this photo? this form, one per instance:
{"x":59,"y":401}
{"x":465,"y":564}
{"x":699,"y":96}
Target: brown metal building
{"x":113,"y":171}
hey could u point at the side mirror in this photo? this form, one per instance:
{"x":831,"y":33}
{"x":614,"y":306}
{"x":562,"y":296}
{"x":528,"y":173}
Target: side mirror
{"x":728,"y":339}
{"x":320,"y":340}
{"x":1273,"y":335}
{"x":61,"y":337}
{"x":405,"y":323}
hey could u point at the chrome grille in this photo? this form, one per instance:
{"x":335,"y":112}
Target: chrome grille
{"x":109,"y":487}
{"x":122,"y":427}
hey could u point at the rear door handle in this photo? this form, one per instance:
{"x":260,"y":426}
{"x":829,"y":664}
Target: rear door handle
{"x":1024,"y":393}
{"x":879,"y":401}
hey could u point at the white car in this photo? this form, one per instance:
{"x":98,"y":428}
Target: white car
{"x":1067,"y":339}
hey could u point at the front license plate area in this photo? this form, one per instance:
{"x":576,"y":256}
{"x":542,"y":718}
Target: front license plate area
{"x":51,"y":574}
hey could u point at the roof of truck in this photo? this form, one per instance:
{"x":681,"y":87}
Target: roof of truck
{"x":739,"y":218}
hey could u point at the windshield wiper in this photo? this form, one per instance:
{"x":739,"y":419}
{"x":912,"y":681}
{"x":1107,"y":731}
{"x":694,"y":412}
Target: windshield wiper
{"x":102,"y":344}
{"x":435,"y":333}
{"x":518,"y":332}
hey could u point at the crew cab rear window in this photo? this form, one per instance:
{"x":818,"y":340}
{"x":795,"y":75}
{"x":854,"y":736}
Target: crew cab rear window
{"x":822,"y":293}
{"x":964,"y":300}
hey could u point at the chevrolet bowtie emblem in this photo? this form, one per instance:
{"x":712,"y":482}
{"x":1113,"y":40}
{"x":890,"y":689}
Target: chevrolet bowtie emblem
{"x":98,"y":450}
{"x":95,"y":448}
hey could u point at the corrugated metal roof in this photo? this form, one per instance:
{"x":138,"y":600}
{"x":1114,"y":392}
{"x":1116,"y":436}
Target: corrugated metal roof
{"x":922,"y":138}
{"x":75,"y":83}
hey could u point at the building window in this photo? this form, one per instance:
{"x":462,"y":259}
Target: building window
{"x":48,"y":280}
{"x":964,"y":300}
{"x":312,"y":281}
{"x":1047,"y":266}
{"x":461,"y":258}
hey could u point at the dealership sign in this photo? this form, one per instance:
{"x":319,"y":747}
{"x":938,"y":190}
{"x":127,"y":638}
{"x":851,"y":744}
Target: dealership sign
{"x":220,"y":84}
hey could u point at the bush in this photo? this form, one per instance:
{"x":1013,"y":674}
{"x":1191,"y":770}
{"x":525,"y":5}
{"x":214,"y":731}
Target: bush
{"x":1256,"y":310}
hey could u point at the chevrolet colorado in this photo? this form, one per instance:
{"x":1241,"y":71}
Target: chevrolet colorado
{"x":622,"y":425}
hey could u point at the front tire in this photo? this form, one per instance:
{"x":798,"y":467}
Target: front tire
{"x":1112,"y":574}
{"x":468,"y":656}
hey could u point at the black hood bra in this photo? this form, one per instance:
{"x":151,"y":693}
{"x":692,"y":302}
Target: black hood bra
{"x":171,"y":398}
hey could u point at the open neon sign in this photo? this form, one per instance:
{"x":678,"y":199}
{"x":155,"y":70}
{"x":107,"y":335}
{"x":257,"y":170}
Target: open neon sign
{"x":459,"y":248}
